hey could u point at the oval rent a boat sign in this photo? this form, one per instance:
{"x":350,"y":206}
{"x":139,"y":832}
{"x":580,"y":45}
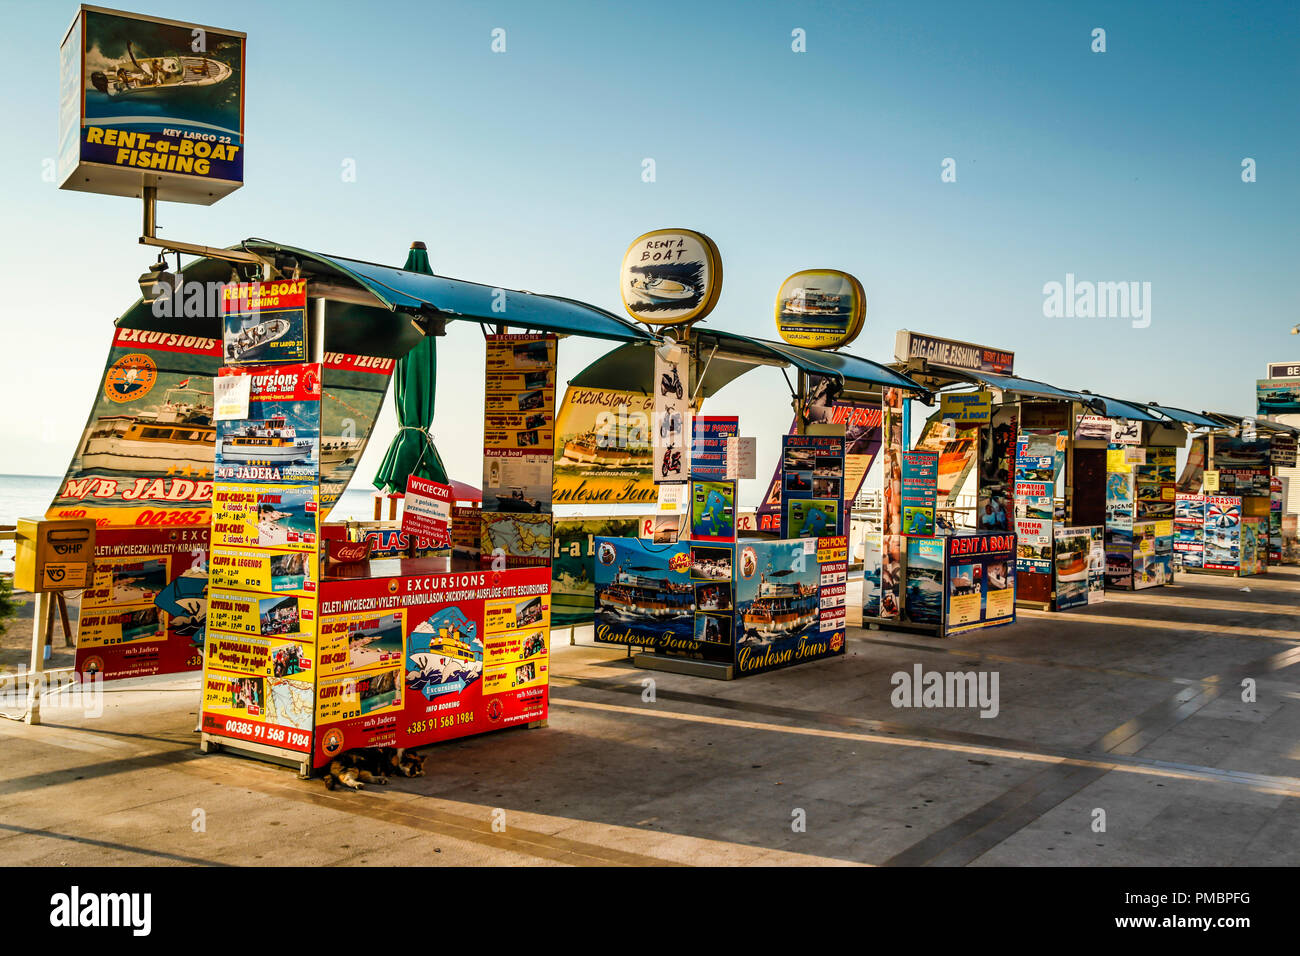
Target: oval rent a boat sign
{"x":670,"y":277}
{"x":820,"y":308}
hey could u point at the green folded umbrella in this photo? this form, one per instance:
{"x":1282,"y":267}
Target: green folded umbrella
{"x":412,"y":451}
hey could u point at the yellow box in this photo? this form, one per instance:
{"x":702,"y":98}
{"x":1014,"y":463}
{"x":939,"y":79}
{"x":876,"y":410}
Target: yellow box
{"x":54,"y":555}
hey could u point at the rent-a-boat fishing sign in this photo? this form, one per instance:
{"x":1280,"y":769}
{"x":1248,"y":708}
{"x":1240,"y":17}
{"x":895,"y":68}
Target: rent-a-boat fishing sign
{"x":150,"y":102}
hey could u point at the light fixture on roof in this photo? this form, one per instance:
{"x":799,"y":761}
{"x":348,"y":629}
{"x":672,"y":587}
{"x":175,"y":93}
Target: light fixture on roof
{"x":156,"y":281}
{"x":668,"y":349}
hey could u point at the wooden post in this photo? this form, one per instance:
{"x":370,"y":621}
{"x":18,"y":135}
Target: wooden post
{"x":63,"y":616}
{"x":40,"y":609}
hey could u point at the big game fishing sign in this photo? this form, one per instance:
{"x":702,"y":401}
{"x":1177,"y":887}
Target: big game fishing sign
{"x":671,"y":277}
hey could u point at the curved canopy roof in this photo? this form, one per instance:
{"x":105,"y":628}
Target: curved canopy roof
{"x":1133,"y":411}
{"x":725,"y":356}
{"x":1183,"y":416}
{"x":372,"y":306}
{"x":1019,"y":386}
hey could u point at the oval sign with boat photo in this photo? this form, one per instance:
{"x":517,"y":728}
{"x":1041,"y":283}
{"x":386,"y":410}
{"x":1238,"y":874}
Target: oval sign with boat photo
{"x":671,"y":276}
{"x":820,"y":308}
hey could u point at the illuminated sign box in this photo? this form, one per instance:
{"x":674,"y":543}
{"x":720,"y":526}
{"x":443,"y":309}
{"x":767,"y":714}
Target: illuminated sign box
{"x":150,"y":102}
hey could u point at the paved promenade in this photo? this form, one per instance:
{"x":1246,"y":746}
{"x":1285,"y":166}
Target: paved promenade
{"x":1132,"y":709}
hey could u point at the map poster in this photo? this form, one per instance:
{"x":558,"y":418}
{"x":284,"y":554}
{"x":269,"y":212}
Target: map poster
{"x":418,"y":659}
{"x":520,"y":540}
{"x":265,"y":323}
{"x":713,"y":511}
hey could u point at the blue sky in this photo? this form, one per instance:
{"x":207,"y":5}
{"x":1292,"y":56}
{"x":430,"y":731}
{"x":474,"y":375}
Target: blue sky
{"x":523,"y":170}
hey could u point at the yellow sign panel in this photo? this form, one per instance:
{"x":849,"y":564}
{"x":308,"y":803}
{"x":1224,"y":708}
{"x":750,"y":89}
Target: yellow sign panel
{"x":359,"y":695}
{"x":271,"y":710}
{"x":288,"y":572}
{"x":603,"y":449}
{"x":261,"y":615}
{"x":515,"y":675}
{"x":361,"y":642}
{"x":262,"y":656}
{"x":966,"y":407}
{"x":670,"y":277}
{"x":820,"y":308}
{"x":265,"y":516}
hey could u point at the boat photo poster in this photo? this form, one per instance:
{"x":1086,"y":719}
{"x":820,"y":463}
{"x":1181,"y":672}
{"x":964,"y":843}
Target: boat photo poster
{"x":278,"y":442}
{"x":145,"y":456}
{"x":645,"y":596}
{"x":602,"y":447}
{"x":981,"y":576}
{"x":781,"y":588}
{"x":812,"y":486}
{"x":144,"y":94}
{"x":265,"y":323}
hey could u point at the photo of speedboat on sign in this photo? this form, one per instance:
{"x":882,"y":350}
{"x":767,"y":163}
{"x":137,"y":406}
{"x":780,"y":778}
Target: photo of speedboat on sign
{"x":660,"y":288}
{"x":159,"y":75}
{"x":256,"y":335}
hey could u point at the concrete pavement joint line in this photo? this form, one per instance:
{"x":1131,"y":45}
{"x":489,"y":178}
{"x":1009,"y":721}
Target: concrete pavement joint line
{"x":1226,"y":630}
{"x":973,"y":652}
{"x":1210,"y":604}
{"x":1278,"y":786}
{"x":905,"y":732}
{"x":32,"y":831}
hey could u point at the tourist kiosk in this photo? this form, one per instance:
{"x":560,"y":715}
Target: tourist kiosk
{"x":1229,"y":502}
{"x":702,"y":597}
{"x":210,"y":476}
